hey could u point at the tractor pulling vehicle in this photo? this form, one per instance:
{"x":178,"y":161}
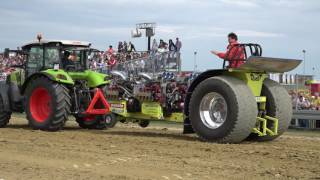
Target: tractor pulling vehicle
{"x":54,"y":83}
{"x":227,"y":105}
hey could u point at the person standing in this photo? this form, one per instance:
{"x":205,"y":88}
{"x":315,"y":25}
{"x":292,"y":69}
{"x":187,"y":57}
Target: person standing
{"x":131,"y":47}
{"x":111,"y":63}
{"x":172,"y":46}
{"x":120,"y":47}
{"x":110,"y":50}
{"x":125,"y":47}
{"x":178,"y":45}
{"x":162,"y":46}
{"x":154,"y":47}
{"x":172,"y":49}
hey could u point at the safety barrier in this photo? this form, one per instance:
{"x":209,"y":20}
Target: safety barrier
{"x":305,"y":119}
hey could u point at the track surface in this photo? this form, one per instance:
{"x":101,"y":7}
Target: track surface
{"x":129,"y":152}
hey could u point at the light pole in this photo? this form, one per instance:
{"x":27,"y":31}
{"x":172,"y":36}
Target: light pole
{"x":297,"y":89}
{"x":304,"y":61}
{"x":195,"y":61}
{"x":313,"y":71}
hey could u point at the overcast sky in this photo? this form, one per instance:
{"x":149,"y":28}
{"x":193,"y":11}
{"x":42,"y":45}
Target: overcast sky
{"x":283,"y":27}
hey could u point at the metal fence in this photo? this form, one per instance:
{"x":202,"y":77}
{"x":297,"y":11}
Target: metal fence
{"x":151,"y":63}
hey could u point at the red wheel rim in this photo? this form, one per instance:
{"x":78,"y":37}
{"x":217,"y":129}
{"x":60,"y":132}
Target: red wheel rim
{"x":40,"y":104}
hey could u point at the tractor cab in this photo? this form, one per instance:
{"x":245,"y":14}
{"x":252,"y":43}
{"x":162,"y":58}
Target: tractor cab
{"x":56,"y":54}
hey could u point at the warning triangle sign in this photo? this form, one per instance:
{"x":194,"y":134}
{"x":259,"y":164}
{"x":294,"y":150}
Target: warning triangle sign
{"x":98,"y":105}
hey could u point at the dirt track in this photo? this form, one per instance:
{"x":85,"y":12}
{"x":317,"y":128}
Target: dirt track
{"x":129,"y":152}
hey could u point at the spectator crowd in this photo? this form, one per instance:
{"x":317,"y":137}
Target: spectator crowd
{"x":8,"y":62}
{"x":303,"y":100}
{"x":126,"y":52}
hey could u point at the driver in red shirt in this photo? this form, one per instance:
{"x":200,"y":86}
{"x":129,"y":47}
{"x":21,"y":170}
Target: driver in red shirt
{"x":234,"y":54}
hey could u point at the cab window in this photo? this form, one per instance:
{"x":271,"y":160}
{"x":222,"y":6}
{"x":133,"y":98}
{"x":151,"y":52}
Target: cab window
{"x":74,"y":57}
{"x":51,"y":56}
{"x":35,"y":58}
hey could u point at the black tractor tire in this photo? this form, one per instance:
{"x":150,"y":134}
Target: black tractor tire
{"x":111,"y":120}
{"x":144,"y":123}
{"x":4,"y":116}
{"x":278,"y":105}
{"x":97,"y":122}
{"x":240,"y":115}
{"x":47,"y":104}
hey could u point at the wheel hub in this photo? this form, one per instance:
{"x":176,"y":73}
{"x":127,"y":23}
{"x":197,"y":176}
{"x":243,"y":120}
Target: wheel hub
{"x":40,"y":104}
{"x":108,"y":119}
{"x":213,"y":110}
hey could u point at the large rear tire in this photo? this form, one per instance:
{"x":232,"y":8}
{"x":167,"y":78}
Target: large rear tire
{"x":278,"y":105}
{"x":47,"y":104}
{"x":222,"y":109}
{"x":4,"y":116}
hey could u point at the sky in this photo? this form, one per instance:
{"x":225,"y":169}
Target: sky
{"x":282,"y":27}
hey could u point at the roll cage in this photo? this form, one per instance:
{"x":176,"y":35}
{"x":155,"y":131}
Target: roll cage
{"x":249,"y":49}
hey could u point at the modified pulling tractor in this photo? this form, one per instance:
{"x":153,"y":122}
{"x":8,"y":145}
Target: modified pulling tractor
{"x":227,"y":105}
{"x":54,"y":83}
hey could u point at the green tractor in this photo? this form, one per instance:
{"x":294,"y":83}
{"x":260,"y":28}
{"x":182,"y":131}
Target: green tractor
{"x":54,"y":83}
{"x":227,"y":105}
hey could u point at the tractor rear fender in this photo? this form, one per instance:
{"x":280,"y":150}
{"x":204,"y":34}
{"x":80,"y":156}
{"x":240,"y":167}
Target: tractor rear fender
{"x":59,"y":76}
{"x":4,"y":89}
{"x":201,"y":77}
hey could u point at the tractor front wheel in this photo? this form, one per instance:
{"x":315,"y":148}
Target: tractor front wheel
{"x":99,"y":122}
{"x":111,"y":120}
{"x":144,"y":123}
{"x":47,"y":104}
{"x":4,"y":116}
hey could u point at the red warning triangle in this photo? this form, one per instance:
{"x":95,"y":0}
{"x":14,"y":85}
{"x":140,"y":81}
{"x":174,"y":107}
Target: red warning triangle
{"x":103,"y":106}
